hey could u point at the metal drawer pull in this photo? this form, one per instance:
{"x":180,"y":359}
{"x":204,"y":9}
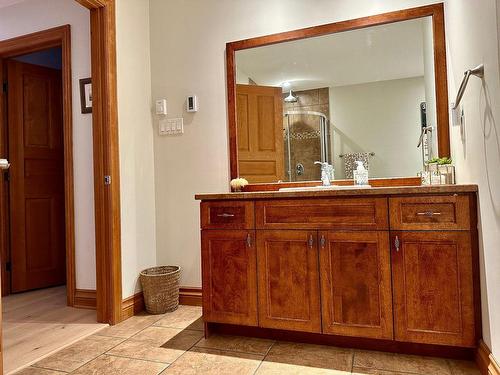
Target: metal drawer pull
{"x":311,"y":241}
{"x":428,"y":213}
{"x":249,"y":240}
{"x":225,"y":215}
{"x":396,"y":243}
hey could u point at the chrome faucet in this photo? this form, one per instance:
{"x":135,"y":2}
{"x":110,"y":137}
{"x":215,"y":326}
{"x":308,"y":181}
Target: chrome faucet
{"x":327,"y":172}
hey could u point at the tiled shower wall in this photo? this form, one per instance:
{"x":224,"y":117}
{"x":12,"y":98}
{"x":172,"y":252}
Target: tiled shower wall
{"x":305,"y":132}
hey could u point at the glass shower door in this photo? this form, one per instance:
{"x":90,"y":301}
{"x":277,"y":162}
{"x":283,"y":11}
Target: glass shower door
{"x":306,"y":140}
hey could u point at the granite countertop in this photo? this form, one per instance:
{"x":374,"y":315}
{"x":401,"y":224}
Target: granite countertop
{"x":389,"y":190}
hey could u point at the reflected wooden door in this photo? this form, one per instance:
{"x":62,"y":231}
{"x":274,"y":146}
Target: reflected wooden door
{"x":356,"y":284}
{"x":260,"y":133}
{"x":432,"y":281}
{"x":287,"y":269}
{"x":36,"y":176}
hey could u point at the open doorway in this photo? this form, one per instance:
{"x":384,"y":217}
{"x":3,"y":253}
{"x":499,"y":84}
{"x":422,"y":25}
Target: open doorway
{"x":36,"y":256}
{"x":37,"y":226}
{"x":36,"y":193}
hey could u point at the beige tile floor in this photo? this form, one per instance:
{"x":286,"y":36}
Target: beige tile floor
{"x":173,"y":344}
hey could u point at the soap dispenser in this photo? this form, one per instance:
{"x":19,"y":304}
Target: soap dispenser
{"x":360,"y":174}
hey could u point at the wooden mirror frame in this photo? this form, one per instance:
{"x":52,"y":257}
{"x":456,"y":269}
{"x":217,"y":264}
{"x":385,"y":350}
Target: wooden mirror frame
{"x":436,"y":11}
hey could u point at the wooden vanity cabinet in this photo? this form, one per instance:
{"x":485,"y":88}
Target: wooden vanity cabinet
{"x":229,"y":276}
{"x":433,"y":269}
{"x":432,"y":277}
{"x":288,"y":278}
{"x":356,"y":284}
{"x":399,"y":268}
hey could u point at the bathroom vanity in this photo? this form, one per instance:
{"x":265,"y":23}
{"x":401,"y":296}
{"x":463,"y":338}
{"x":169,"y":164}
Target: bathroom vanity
{"x":392,"y":267}
{"x":394,"y":264}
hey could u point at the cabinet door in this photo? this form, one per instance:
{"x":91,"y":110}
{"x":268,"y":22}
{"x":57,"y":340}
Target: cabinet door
{"x":356,"y":284}
{"x":288,"y":278}
{"x":229,"y":276}
{"x":433,"y":288}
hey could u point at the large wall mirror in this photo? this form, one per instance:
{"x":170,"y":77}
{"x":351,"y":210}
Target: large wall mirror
{"x":371,"y":90}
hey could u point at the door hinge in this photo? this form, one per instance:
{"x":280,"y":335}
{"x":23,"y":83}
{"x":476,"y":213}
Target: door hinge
{"x":107,"y":180}
{"x":7,"y":266}
{"x":5,"y":87}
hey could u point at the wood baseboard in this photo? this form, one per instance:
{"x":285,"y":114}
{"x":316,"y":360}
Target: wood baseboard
{"x":132,"y":306}
{"x":487,"y":364}
{"x":135,"y":304}
{"x":190,"y":296}
{"x":85,"y":299}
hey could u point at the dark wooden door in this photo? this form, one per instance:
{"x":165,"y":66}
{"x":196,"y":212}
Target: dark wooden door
{"x":433,"y":288}
{"x":229,"y":276}
{"x":287,"y":268}
{"x":4,"y":187}
{"x":356,"y":288}
{"x":36,"y":176}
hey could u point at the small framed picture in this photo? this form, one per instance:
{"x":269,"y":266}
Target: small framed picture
{"x":86,"y":95}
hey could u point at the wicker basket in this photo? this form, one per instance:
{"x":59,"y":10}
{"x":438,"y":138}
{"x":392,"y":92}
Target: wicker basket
{"x":160,"y":287}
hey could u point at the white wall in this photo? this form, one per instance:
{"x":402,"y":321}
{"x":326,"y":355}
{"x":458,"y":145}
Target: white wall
{"x":381,"y":117}
{"x":471,"y":28}
{"x":135,"y":141}
{"x":35,"y":15}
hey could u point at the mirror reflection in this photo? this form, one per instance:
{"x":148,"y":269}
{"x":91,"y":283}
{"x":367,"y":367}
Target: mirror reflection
{"x":363,"y":95}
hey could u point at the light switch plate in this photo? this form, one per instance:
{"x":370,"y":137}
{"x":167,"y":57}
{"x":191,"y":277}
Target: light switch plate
{"x":161,"y":107}
{"x":171,"y":126}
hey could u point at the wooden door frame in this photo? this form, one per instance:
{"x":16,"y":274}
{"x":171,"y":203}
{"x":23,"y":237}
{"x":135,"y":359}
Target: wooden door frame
{"x":106,"y":159}
{"x":105,"y":149}
{"x":55,"y":37}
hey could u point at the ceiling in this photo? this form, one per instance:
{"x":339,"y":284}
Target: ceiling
{"x":372,"y":54}
{"x":6,"y":3}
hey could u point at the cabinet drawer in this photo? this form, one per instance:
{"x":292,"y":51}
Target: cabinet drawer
{"x":227,"y":215}
{"x":450,"y":212}
{"x":355,"y":213}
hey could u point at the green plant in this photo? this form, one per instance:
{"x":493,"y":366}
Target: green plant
{"x":440,"y":161}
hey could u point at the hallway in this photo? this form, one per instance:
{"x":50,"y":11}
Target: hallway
{"x":39,"y":323}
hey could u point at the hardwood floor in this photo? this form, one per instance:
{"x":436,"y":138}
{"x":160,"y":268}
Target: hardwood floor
{"x":38,"y":323}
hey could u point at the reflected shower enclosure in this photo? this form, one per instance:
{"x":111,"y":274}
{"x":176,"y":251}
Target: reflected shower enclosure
{"x":306,"y":140}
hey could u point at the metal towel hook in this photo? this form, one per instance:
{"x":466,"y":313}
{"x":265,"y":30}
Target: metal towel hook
{"x":478,"y":71}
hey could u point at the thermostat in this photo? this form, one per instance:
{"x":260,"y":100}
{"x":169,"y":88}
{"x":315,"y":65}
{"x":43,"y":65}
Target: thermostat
{"x":192,"y":103}
{"x":161,"y":107}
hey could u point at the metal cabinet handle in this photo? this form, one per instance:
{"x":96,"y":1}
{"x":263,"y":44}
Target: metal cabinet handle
{"x":428,"y":213}
{"x":322,"y":241}
{"x":249,"y":240}
{"x":225,"y":215}
{"x":311,"y":241}
{"x":397,"y":243}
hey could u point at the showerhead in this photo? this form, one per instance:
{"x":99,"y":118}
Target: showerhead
{"x":290,"y":98}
